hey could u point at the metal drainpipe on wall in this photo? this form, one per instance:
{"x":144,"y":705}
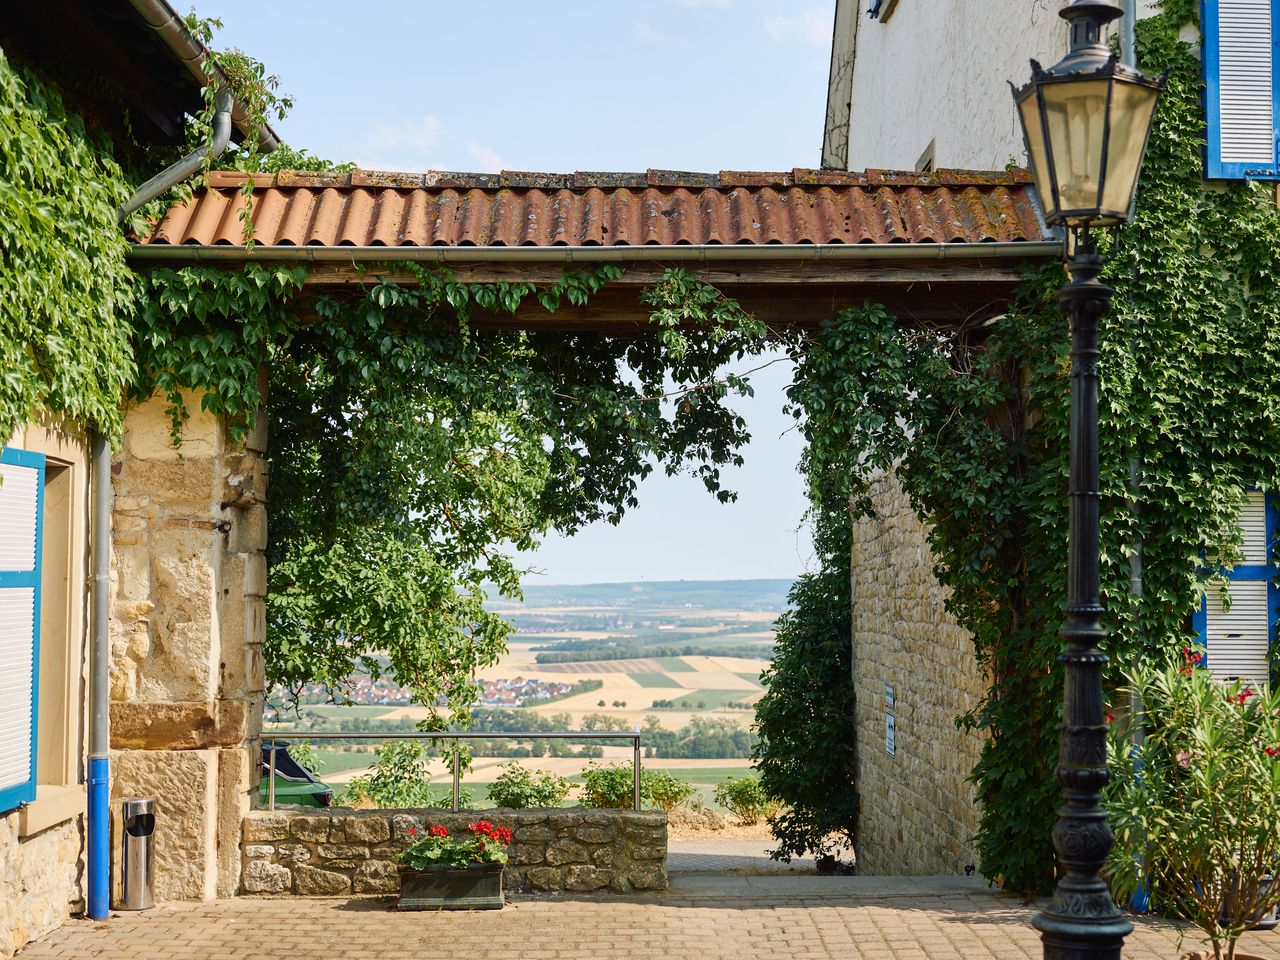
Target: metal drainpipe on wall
{"x":97,"y":844}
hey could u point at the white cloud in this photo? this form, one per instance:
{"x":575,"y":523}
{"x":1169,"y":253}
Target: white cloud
{"x":486,"y":157}
{"x":399,"y":146}
{"x":649,"y":34}
{"x":811,"y":26}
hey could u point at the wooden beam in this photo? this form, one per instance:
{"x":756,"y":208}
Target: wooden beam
{"x":647,"y":273}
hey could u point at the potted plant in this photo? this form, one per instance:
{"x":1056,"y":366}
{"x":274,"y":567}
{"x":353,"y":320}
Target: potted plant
{"x":1194,"y":800}
{"x":439,"y":871}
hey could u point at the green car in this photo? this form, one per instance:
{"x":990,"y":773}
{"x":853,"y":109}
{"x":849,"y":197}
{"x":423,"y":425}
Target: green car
{"x":295,"y":784}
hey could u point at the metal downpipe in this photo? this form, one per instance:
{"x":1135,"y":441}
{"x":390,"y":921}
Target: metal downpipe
{"x":98,"y":853}
{"x":189,"y":165}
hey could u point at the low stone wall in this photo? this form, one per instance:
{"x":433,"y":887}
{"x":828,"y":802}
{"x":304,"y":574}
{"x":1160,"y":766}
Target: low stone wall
{"x":39,"y":880}
{"x":347,"y":852}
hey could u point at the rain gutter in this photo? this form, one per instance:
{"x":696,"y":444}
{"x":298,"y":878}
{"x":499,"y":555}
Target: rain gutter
{"x":686,"y":253}
{"x":165,"y":21}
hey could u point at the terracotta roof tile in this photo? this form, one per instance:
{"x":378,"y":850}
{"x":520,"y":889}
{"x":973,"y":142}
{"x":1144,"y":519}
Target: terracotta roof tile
{"x":519,"y":208}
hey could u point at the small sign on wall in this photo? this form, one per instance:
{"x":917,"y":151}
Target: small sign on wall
{"x":889,"y":702}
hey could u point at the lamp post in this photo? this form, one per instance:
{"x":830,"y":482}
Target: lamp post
{"x":1086,"y":122}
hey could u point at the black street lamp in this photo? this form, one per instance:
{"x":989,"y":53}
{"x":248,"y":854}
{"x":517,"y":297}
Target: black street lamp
{"x":1086,"y":122}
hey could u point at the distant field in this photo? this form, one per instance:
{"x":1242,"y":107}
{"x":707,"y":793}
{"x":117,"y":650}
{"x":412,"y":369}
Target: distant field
{"x":751,"y":678}
{"x":654,"y":680}
{"x":336,"y":761}
{"x":674,"y":665}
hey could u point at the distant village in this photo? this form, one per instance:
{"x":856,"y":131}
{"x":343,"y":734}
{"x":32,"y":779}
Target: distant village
{"x":383,"y":692}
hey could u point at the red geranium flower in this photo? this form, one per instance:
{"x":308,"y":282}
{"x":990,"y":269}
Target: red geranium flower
{"x":439,"y":831}
{"x":413,"y":831}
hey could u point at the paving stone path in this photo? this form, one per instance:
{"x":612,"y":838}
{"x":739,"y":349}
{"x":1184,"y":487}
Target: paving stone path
{"x":709,"y":855}
{"x":700,"y":918}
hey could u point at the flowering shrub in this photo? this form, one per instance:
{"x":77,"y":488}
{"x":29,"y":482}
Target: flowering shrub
{"x":1194,"y":803}
{"x":483,"y":843}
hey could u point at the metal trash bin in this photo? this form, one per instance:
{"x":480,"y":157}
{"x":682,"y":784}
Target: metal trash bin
{"x":139,"y":826}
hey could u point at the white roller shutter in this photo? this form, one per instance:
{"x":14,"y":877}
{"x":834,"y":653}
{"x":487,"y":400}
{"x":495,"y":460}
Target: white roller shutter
{"x":1238,"y":638}
{"x":1239,"y":78}
{"x":21,"y":485}
{"x":1253,"y":524}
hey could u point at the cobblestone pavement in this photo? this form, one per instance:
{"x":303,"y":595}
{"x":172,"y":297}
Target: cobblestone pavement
{"x":700,"y":918}
{"x":713,"y":855}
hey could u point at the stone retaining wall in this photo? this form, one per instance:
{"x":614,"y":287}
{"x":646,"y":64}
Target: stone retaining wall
{"x":39,"y":879}
{"x":917,"y":812}
{"x":348,"y":852}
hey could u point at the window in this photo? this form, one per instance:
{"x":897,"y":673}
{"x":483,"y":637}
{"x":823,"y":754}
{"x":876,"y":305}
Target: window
{"x":1240,"y":45}
{"x":21,"y":511}
{"x":1237,"y":641}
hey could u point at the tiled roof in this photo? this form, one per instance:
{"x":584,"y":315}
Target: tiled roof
{"x":365,"y":208}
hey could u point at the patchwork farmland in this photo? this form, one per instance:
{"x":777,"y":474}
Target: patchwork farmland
{"x":658,"y":657}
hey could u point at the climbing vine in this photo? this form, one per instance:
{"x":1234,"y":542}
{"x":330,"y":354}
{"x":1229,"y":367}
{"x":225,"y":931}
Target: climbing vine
{"x":975,"y":422}
{"x":66,"y":294}
{"x":412,"y":453}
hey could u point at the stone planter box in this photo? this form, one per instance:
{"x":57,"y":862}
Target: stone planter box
{"x":342,"y":852}
{"x":477,"y":886}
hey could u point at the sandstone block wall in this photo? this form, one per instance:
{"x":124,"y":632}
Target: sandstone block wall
{"x":917,"y":812}
{"x":350,"y":852}
{"x":187,"y":626}
{"x":40,"y":880}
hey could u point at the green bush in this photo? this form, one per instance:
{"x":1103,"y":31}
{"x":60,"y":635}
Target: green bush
{"x":611,"y":786}
{"x":399,"y":780}
{"x":746,"y":798}
{"x":667,"y":791}
{"x":1194,"y":804}
{"x":805,"y":755}
{"x":520,"y":787}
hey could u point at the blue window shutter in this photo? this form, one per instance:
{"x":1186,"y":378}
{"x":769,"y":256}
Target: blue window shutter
{"x":1238,"y":642}
{"x":21,"y":523}
{"x":1240,"y":69}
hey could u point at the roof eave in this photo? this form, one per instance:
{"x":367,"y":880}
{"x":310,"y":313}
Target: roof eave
{"x":695,"y":253}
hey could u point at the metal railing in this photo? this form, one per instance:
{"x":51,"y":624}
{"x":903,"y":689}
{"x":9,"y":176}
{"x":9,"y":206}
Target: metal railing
{"x":455,"y":736}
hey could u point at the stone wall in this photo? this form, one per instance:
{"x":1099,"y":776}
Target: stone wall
{"x":40,"y":879}
{"x":917,"y":812}
{"x":187,"y":626}
{"x":350,"y":852}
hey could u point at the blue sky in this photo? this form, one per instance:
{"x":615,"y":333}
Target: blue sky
{"x":561,"y":85}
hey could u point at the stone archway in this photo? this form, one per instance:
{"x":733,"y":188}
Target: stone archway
{"x":943,"y":249}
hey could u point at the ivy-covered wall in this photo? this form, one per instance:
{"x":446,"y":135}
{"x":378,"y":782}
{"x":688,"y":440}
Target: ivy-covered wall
{"x":975,"y":423}
{"x":66,"y":294}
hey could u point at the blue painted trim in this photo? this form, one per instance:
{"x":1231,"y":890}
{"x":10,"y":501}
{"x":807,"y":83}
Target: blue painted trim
{"x":22,"y":793}
{"x":1215,"y":168}
{"x":1269,"y":572}
{"x":98,"y":853}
